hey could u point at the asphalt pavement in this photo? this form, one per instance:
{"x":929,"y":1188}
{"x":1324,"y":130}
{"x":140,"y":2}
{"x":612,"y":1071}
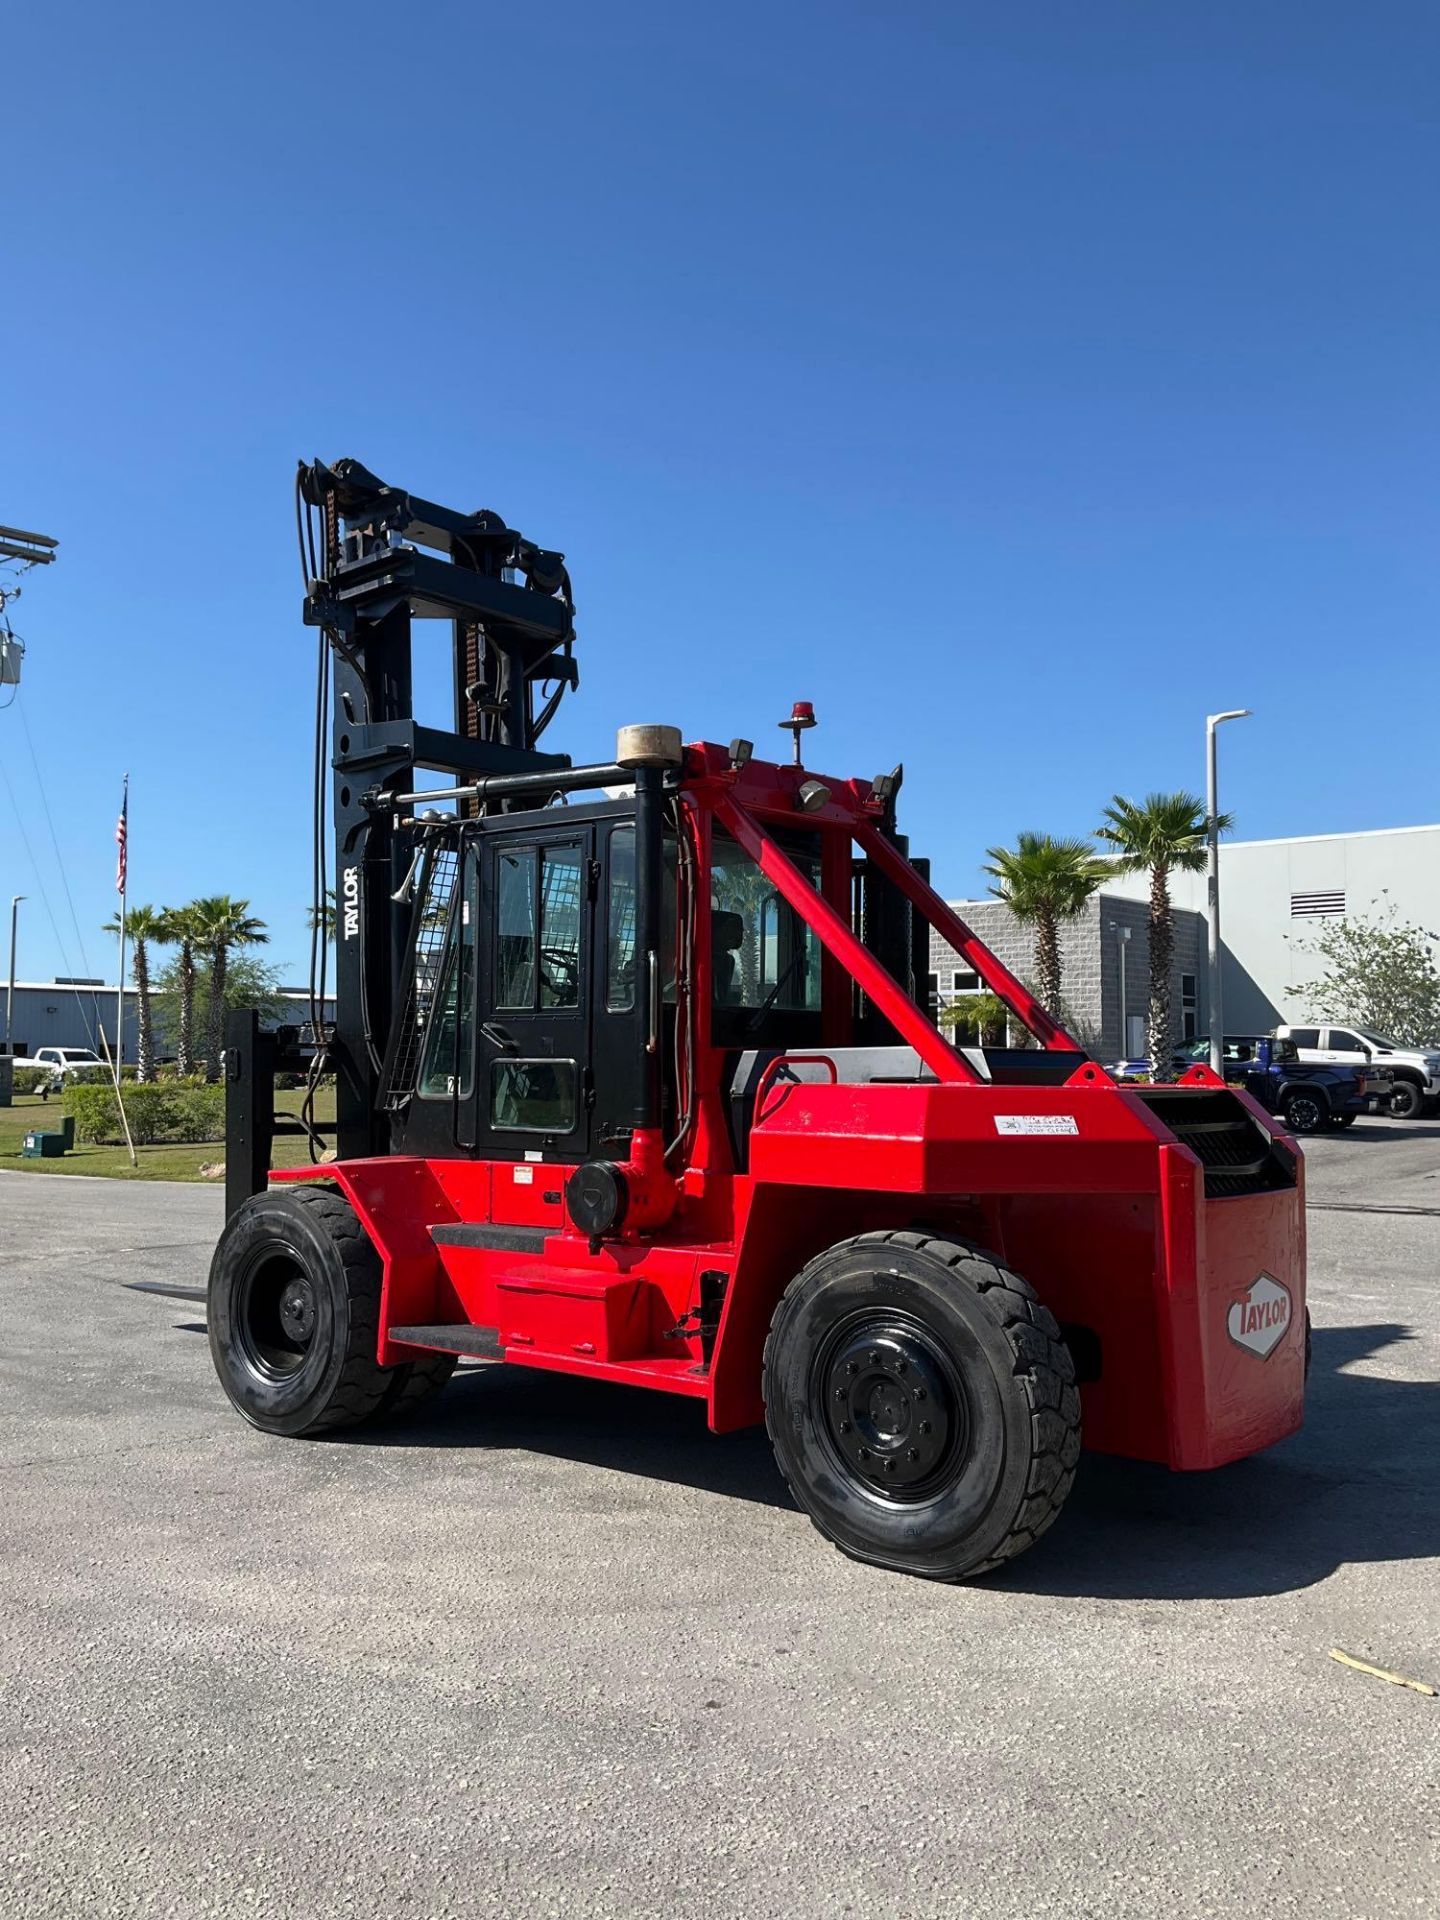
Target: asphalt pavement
{"x":553,"y":1649}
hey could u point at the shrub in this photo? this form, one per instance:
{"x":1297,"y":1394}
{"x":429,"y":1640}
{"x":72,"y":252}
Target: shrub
{"x":31,"y":1079}
{"x":167,"y":1113}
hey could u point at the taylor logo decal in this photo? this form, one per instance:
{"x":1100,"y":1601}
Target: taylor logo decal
{"x":350,"y":902}
{"x":1258,"y":1319}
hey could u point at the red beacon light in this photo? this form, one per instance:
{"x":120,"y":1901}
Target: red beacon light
{"x":802,"y":717}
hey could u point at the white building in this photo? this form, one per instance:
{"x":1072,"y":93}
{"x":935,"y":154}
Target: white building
{"x":1275,"y":896}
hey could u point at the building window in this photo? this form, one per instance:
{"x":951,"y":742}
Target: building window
{"x":1316,"y":906}
{"x":1188,"y":1007}
{"x":932,"y":994}
{"x":961,"y":982}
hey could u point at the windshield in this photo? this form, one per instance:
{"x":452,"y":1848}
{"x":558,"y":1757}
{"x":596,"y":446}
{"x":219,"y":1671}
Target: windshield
{"x":1377,"y":1039}
{"x":80,"y":1054}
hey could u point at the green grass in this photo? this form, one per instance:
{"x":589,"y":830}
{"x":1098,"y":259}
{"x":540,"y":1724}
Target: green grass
{"x":155,"y":1163}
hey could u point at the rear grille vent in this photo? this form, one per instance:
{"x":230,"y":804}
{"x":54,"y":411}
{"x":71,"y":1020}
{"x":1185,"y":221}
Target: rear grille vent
{"x":1238,"y":1155}
{"x":432,"y":906}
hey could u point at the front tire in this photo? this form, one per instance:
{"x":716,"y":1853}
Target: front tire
{"x":922,"y":1404}
{"x":1406,"y":1100}
{"x":294,"y":1314}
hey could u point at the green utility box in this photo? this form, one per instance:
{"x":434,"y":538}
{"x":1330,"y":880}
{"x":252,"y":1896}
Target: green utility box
{"x":50,"y":1146}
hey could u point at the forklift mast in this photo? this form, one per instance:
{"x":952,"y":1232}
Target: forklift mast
{"x":384,"y":560}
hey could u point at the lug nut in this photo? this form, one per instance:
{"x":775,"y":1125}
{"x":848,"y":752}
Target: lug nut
{"x":844,"y":1426}
{"x":924,"y":1426}
{"x":912,"y":1453}
{"x":889,"y":1466}
{"x":839,"y":1393}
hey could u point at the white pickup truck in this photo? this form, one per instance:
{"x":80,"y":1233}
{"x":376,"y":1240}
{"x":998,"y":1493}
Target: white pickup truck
{"x":1415,"y":1070}
{"x":66,"y":1063}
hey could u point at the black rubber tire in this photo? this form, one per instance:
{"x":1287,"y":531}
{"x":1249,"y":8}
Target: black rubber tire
{"x":1339,"y":1120}
{"x":1017,"y":1423}
{"x":1305,"y":1112}
{"x":310,"y":1233}
{"x":417,"y":1381}
{"x":1407,"y":1101}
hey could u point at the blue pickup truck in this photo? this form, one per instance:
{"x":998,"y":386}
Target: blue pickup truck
{"x":1306,"y":1095}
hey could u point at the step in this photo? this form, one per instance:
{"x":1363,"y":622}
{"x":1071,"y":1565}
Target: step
{"x":492,"y":1239}
{"x":481,"y":1343}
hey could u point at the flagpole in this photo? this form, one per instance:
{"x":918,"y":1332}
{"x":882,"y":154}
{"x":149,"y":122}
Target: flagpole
{"x":122,"y":879}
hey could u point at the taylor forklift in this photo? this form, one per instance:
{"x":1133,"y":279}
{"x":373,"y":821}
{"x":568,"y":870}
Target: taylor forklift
{"x":635,"y":1081}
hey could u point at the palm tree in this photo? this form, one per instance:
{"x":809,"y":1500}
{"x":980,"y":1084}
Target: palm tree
{"x":221,"y":925}
{"x":986,"y":1013}
{"x":142,"y":925}
{"x":1163,"y":834}
{"x":178,"y":928}
{"x":324,"y":917}
{"x":1044,"y":881}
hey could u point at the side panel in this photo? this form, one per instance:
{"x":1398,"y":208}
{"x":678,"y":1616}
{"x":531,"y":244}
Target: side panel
{"x":1232,"y":1318}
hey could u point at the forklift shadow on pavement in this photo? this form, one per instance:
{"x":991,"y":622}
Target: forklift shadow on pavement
{"x":1355,"y":1484}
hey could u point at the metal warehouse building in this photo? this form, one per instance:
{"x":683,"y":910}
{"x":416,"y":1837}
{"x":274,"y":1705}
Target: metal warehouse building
{"x":74,"y":1013}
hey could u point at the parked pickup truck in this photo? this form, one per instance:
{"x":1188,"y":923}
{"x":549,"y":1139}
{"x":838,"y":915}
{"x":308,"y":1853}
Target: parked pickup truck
{"x":1306,"y":1095}
{"x":1414,"y":1071}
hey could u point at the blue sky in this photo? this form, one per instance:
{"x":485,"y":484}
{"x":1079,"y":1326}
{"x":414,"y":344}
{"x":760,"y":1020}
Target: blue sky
{"x":1017,"y":383}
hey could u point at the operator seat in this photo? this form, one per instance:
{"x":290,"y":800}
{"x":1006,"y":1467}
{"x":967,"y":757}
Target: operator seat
{"x":727,"y":936}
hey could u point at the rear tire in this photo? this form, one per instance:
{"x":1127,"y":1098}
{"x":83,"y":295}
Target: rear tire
{"x":294,"y":1313}
{"x":1305,"y":1113}
{"x":922,"y":1404}
{"x":1406,"y":1100}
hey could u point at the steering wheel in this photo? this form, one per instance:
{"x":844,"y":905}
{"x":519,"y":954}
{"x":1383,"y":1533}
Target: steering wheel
{"x":560,"y":975}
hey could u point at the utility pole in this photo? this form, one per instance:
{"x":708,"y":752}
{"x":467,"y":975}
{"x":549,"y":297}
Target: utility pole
{"x":10,"y":990}
{"x":1212,"y":834}
{"x":28,"y":550}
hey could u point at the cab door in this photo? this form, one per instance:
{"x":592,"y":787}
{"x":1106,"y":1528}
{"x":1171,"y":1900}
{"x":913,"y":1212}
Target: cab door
{"x":533,"y":1039}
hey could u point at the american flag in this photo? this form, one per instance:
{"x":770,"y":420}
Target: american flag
{"x":122,"y":834}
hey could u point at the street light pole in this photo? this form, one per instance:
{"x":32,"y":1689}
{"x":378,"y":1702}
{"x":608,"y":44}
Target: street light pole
{"x":1212,"y":834}
{"x":1122,"y":935}
{"x":10,"y":990}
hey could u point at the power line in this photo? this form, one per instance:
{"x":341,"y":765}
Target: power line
{"x":50,"y":824}
{"x":90,"y":1026}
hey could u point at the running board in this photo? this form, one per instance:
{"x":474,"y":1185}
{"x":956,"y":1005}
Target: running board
{"x":480,"y":1343}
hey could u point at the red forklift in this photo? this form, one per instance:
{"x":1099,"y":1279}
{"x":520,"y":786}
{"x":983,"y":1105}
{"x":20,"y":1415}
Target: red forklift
{"x":635,"y":1080}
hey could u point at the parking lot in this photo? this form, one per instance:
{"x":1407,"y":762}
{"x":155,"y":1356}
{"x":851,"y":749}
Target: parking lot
{"x":552,"y":1649}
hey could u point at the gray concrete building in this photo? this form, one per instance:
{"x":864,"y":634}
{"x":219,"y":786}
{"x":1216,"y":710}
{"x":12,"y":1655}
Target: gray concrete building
{"x":1104,"y":951}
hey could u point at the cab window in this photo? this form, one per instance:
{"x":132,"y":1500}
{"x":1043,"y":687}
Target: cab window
{"x":446,"y":1066}
{"x":763,"y":955}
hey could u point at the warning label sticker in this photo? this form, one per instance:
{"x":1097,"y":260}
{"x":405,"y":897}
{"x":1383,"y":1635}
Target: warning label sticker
{"x":1035,"y":1123}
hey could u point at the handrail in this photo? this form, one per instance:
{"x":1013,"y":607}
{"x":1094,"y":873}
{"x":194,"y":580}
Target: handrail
{"x":771,"y":1072}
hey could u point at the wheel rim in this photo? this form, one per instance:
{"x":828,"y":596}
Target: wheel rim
{"x":276,"y":1314}
{"x":1403,"y":1101}
{"x":893,"y":1407}
{"x":1304,"y":1115}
